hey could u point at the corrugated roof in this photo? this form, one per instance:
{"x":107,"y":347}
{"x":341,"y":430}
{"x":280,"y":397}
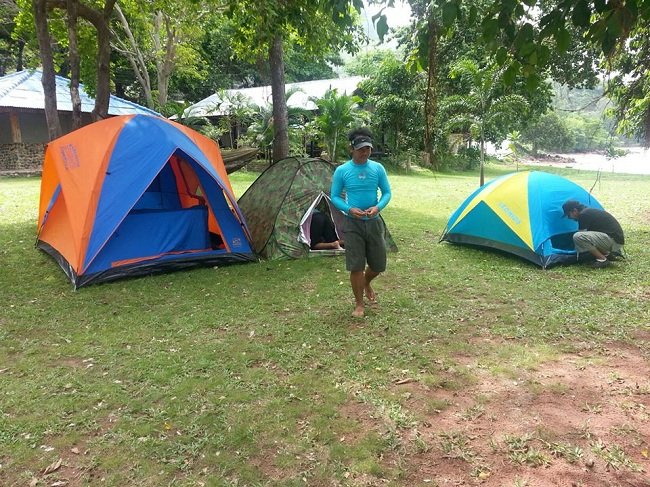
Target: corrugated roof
{"x":261,"y":96}
{"x":24,"y":89}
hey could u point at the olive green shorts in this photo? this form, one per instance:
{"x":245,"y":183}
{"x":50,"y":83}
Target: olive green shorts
{"x":364,"y":243}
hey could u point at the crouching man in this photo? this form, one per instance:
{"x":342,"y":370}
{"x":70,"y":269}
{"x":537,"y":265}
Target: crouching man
{"x":599,"y":233}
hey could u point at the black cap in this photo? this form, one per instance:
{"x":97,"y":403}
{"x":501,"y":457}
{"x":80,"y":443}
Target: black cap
{"x":361,"y":141}
{"x":571,"y":205}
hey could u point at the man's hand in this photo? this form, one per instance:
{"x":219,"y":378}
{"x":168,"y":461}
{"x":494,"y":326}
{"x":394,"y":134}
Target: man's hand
{"x":357,"y":213}
{"x":372,"y":211}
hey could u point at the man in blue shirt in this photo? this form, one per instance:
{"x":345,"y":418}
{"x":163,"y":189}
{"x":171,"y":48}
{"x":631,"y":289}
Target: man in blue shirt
{"x":359,"y":179}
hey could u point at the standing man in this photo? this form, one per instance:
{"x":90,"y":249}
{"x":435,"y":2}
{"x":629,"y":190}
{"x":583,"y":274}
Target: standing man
{"x":599,"y":233}
{"x":360,"y":178}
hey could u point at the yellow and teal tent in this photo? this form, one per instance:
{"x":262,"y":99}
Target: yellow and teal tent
{"x":521,"y":213}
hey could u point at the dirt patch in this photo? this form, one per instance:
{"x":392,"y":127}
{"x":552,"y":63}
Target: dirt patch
{"x":583,"y":420}
{"x":74,"y":467}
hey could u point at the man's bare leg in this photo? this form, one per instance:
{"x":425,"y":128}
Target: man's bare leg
{"x":358,"y":283}
{"x":369,"y":275}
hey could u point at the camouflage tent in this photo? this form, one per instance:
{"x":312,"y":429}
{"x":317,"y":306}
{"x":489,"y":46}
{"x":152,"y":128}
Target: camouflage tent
{"x":281,"y":198}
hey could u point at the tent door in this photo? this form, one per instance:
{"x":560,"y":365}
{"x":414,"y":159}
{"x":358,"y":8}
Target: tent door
{"x":305,"y":222}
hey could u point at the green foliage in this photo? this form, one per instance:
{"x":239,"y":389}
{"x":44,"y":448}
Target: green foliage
{"x":264,"y":28}
{"x":466,"y":159}
{"x":336,"y":115}
{"x":573,"y":41}
{"x":617,"y":32}
{"x":221,"y":67}
{"x":570,"y":132}
{"x":320,"y":26}
{"x":629,"y":87}
{"x":87,"y":42}
{"x":588,"y":133}
{"x":561,"y":23}
{"x":178,"y":111}
{"x":260,"y":130}
{"x":396,"y":96}
{"x":482,"y":110}
{"x":367,"y":63}
{"x":13,"y":52}
{"x":549,"y":133}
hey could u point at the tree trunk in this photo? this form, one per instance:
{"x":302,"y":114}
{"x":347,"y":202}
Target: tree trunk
{"x":100,"y":20}
{"x":103,"y":95}
{"x":280,"y":114}
{"x":164,"y":65}
{"x":73,"y":56}
{"x":482,"y":171}
{"x":646,"y":128}
{"x":431,"y":101}
{"x":134,"y":54}
{"x":48,"y":79}
{"x":20,"y":55}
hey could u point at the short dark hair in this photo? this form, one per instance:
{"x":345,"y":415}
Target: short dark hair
{"x":354,"y":133}
{"x":571,"y":205}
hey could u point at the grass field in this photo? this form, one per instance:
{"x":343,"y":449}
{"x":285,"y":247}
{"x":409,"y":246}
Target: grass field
{"x":256,"y":374}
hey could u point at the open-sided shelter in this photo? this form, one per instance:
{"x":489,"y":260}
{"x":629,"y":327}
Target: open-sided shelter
{"x":134,"y":195}
{"x":279,"y":203}
{"x":521,"y":213}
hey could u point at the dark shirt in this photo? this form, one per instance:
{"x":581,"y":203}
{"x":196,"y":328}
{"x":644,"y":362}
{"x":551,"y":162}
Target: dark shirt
{"x":321,"y":229}
{"x":595,"y":220}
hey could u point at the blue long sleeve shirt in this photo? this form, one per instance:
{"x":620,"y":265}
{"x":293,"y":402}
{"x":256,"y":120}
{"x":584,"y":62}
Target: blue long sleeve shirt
{"x":360,"y":183}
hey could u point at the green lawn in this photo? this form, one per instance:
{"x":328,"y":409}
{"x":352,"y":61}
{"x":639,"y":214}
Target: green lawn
{"x":251,"y":374}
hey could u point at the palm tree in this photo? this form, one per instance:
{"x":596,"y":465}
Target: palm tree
{"x":485,"y":108}
{"x":178,"y":111}
{"x":262,"y":130}
{"x":337,"y":113}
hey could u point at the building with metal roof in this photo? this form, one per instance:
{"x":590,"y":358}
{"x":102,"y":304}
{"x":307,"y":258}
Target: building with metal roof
{"x":219,"y":104}
{"x":23,"y":127}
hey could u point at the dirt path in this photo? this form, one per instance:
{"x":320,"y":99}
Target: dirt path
{"x":582,"y":421}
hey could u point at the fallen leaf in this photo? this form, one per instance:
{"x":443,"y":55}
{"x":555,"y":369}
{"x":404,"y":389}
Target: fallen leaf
{"x":34,"y":482}
{"x":53,"y":467}
{"x":75,"y":450}
{"x":644,"y":453}
{"x":59,"y":483}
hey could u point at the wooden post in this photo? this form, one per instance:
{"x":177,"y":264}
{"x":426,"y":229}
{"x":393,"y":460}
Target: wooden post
{"x":16,"y":135}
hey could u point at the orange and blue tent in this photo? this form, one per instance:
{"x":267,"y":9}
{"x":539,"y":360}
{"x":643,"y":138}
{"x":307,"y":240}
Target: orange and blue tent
{"x":521,"y":213}
{"x":137,"y":194}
